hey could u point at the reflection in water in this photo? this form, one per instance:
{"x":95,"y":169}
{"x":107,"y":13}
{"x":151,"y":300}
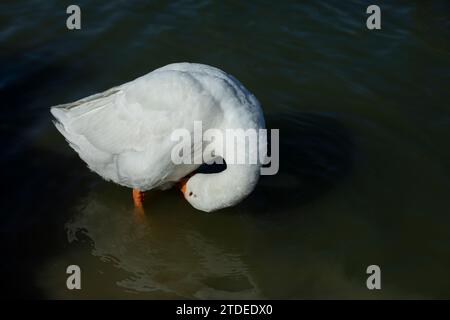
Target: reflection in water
{"x":161,"y":256}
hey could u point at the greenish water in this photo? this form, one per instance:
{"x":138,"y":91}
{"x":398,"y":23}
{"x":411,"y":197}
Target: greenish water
{"x":364,"y":177}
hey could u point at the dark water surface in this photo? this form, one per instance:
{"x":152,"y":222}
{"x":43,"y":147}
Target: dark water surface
{"x":364,"y":122}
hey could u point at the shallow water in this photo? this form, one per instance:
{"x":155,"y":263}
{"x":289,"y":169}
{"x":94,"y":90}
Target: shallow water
{"x":364,"y":122}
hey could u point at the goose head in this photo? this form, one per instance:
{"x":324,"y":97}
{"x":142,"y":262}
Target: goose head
{"x":211,"y":192}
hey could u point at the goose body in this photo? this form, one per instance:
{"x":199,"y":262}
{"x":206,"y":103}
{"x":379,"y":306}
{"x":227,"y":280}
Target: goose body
{"x":124,"y":133}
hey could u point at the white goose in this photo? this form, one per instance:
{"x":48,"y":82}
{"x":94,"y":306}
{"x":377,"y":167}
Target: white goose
{"x":124,"y":133}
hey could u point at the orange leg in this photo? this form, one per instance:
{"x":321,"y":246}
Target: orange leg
{"x":138,"y":198}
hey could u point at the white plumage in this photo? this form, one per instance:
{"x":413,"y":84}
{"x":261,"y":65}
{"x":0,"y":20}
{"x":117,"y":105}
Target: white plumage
{"x":123,"y":134}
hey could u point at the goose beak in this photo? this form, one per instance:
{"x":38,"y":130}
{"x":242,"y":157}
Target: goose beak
{"x":182,"y":184}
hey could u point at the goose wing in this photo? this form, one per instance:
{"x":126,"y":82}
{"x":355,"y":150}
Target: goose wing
{"x":124,"y":134}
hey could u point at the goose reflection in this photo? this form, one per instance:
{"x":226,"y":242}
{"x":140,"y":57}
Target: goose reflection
{"x":164,"y":252}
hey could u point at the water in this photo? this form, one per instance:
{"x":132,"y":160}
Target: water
{"x":364,"y":121}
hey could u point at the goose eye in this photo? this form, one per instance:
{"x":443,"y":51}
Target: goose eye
{"x":190,"y":193}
